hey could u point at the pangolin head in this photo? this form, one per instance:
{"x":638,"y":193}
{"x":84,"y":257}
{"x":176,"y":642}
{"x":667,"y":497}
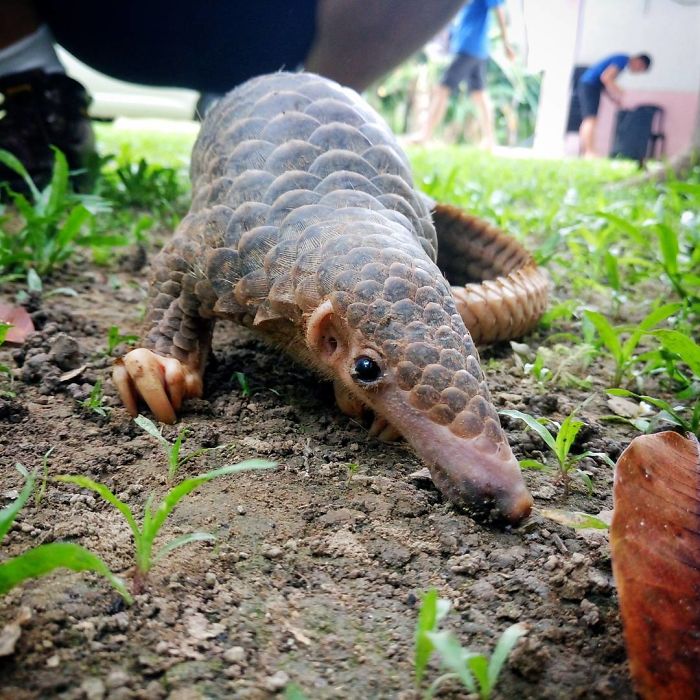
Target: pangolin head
{"x":389,"y":332}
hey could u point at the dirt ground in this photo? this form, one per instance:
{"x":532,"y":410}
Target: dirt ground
{"x":316,"y":575}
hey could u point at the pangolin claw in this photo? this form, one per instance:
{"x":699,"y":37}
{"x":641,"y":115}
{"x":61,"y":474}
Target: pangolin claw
{"x":162,"y":382}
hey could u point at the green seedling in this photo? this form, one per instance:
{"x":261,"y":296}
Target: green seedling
{"x":477,"y":672}
{"x":353,"y":468}
{"x":95,"y":402}
{"x":115,"y":338}
{"x":623,"y":351}
{"x":154,"y":518}
{"x":45,"y":558}
{"x":432,"y":611}
{"x":172,"y":449}
{"x":560,"y":447}
{"x":243,"y":383}
{"x":35,"y":289}
{"x":143,"y":186}
{"x":55,"y":222}
{"x":667,"y":413}
{"x":680,"y":270}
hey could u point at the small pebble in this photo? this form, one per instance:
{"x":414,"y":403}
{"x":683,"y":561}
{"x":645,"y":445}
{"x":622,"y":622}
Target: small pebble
{"x":271,"y":552}
{"x":117,"y":678}
{"x":276,"y":681}
{"x":93,"y":688}
{"x":234,"y":655}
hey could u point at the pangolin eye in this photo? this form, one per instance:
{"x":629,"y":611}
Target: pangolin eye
{"x":366,"y":369}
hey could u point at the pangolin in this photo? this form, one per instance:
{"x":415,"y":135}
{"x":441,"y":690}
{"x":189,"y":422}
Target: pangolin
{"x":306,"y":227}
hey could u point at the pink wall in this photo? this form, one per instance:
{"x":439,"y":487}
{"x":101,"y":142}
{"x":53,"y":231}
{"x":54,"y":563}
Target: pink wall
{"x":679,"y":118}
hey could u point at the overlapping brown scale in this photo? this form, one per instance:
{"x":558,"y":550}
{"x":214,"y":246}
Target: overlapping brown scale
{"x":302,"y":193}
{"x":289,"y":125}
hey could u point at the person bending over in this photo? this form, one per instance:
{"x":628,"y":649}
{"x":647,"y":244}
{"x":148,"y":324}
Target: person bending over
{"x":603,"y":76}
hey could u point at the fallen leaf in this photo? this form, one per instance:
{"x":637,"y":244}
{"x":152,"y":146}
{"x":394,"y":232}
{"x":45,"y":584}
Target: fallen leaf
{"x":21,"y":321}
{"x":72,"y":373}
{"x":577,"y":520}
{"x":655,"y":544}
{"x":628,"y":409}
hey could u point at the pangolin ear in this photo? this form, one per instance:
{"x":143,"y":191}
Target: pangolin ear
{"x":326,"y":334}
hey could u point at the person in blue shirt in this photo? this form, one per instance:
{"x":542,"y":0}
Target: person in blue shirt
{"x":603,"y":76}
{"x":470,"y":44}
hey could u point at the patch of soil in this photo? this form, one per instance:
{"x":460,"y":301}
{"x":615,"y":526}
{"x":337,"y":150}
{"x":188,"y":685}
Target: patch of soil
{"x":317,"y":571}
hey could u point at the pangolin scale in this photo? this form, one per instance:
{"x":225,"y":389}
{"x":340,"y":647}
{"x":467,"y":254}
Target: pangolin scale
{"x":305,"y":226}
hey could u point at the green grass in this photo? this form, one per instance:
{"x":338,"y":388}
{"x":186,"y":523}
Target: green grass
{"x":154,"y":517}
{"x":478,"y":673}
{"x":45,"y":558}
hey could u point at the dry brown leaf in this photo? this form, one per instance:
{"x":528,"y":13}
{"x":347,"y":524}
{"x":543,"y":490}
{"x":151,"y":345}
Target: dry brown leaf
{"x":655,"y":543}
{"x":20,"y":320}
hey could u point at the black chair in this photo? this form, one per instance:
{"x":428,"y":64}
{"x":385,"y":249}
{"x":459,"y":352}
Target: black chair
{"x":639,"y":133}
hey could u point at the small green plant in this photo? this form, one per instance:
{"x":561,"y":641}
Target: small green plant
{"x":45,"y":558}
{"x":242,"y":383}
{"x":54,"y":222}
{"x":623,"y":352}
{"x":667,"y":413}
{"x":95,"y":402}
{"x":143,"y":185}
{"x":560,"y":446}
{"x":477,"y":672}
{"x":353,"y":468}
{"x":35,"y":289}
{"x":115,"y":338}
{"x":154,"y":518}
{"x":173,"y":450}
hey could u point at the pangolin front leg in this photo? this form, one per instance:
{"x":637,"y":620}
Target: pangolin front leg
{"x":169,"y":368}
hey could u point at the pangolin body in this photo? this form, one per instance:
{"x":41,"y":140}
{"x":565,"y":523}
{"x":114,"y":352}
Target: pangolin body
{"x":305,"y":226}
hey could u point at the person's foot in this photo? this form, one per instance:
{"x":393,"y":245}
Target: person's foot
{"x":38,"y":110}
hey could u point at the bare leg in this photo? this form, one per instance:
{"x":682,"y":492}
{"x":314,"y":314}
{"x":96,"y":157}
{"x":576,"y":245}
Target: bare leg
{"x":18,"y":18}
{"x":438,"y":107}
{"x":586,"y":134}
{"x":484,"y":113}
{"x":358,"y":41}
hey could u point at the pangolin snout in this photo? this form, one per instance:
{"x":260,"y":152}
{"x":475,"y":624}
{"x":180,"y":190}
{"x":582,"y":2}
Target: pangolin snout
{"x":477,"y":472}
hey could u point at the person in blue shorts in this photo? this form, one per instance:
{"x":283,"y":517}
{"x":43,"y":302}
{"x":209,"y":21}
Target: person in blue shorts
{"x":603,"y":76}
{"x":209,"y":46}
{"x":469,"y":42}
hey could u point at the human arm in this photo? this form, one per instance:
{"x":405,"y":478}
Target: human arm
{"x":608,"y":78}
{"x":502,"y":25}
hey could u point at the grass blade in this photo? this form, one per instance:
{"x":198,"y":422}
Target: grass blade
{"x":505,"y":645}
{"x":682,"y":345}
{"x":533,"y":423}
{"x":452,"y":656}
{"x":108,"y":496}
{"x":181,"y":541}
{"x":8,"y":514}
{"x":177,"y":493}
{"x":55,"y":555}
{"x":607,"y":334}
{"x":150,"y":427}
{"x":13,"y":163}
